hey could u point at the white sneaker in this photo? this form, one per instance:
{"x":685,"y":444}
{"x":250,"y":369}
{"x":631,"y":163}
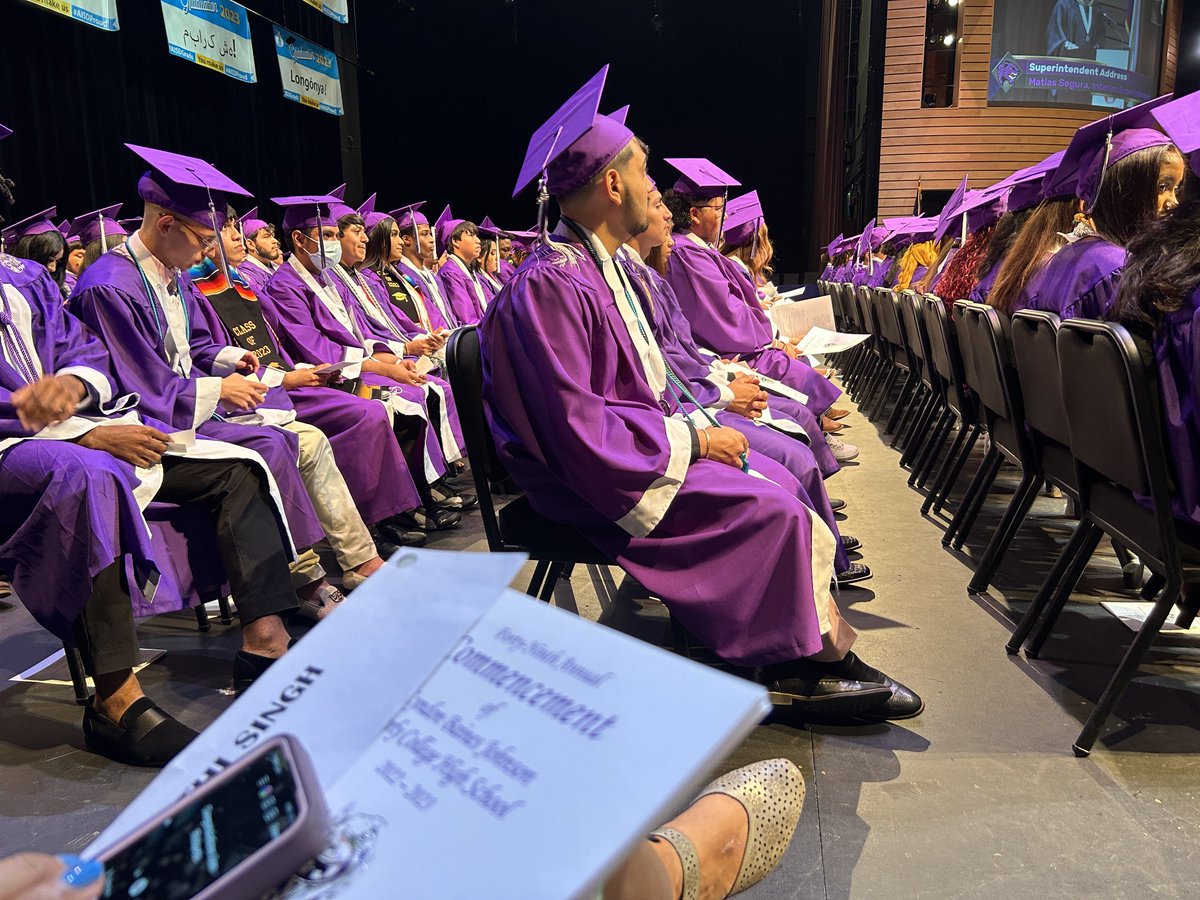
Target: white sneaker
{"x":842,"y":451}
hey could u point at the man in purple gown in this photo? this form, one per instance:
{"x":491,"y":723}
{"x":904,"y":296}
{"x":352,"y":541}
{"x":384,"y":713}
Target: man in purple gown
{"x":135,"y":298}
{"x":459,"y":242}
{"x":418,"y":251}
{"x":376,"y":478}
{"x":586,"y":415}
{"x":262,"y":251}
{"x":304,"y":307}
{"x":78,"y":466}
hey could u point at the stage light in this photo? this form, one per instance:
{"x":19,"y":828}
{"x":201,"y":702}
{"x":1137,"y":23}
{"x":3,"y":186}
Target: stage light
{"x":948,"y":40}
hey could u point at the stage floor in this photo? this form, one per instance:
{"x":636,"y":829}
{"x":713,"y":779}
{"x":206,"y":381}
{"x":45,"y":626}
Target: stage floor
{"x":979,"y":797}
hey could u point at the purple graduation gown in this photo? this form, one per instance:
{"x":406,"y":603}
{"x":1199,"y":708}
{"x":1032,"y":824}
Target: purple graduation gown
{"x":68,"y":512}
{"x":458,"y":289}
{"x":723,"y":309}
{"x":311,"y":333}
{"x":255,"y":274}
{"x":1080,"y":281}
{"x":401,"y":328}
{"x":505,"y":272}
{"x":738,"y":559}
{"x":111,"y":300}
{"x":359,"y":432}
{"x":983,"y":287}
{"x":1176,"y":344}
{"x":794,"y":455}
{"x":407,"y":285}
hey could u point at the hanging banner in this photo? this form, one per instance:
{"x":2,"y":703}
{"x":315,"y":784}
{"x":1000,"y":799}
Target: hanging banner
{"x":97,"y":13}
{"x":309,"y":72}
{"x":211,"y":33}
{"x":338,"y":10}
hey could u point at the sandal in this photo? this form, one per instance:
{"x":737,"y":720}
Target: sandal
{"x":772,"y":793}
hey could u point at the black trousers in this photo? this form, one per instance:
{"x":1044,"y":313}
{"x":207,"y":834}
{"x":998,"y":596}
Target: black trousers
{"x":248,"y":540}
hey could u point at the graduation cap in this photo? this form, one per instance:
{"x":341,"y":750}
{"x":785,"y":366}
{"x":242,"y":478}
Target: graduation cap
{"x":979,"y":208}
{"x":832,"y":249}
{"x":186,"y":186}
{"x":306,"y":211}
{"x":444,"y":227}
{"x":408,"y":217}
{"x":701,"y":178}
{"x":339,"y":192}
{"x":491,"y":229}
{"x":131,"y":224}
{"x":524,"y":239}
{"x":5,"y":131}
{"x":570,"y":122}
{"x":619,"y":116}
{"x":251,"y":223}
{"x":38,"y":223}
{"x":1090,"y":149}
{"x":64,"y":228}
{"x":97,"y":224}
{"x":1180,"y":119}
{"x":743,"y":219}
{"x":1027,"y":183}
{"x":371,"y":218}
{"x":951,"y":207}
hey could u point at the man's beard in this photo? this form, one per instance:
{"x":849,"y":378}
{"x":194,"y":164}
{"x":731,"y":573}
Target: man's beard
{"x":635,"y":219}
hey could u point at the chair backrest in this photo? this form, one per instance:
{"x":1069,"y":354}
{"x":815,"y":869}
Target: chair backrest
{"x":849,"y":307}
{"x":889,"y":321}
{"x":464,"y":365}
{"x":1116,"y":434}
{"x":946,"y":358}
{"x":1035,"y":353}
{"x":915,"y":336}
{"x":993,"y":379}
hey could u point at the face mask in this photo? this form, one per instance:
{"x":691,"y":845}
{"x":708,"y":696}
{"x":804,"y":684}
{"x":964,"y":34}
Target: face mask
{"x":333,"y":254}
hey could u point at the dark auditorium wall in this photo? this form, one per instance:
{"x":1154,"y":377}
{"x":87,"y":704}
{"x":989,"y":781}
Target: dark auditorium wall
{"x":939,"y":146}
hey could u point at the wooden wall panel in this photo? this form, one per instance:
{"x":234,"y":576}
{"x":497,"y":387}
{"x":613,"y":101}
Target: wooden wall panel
{"x":939,"y":146}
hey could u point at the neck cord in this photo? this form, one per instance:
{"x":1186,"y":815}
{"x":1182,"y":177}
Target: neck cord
{"x":153,"y":298}
{"x":21,"y":356}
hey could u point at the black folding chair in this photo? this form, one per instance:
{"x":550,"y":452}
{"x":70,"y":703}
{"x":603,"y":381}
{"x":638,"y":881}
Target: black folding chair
{"x":517,"y":527}
{"x":1121,"y":469}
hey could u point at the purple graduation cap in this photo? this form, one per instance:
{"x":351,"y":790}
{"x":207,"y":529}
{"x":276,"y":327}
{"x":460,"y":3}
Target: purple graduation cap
{"x":251,"y":224}
{"x":1114,"y":149}
{"x":5,"y":131}
{"x":701,"y":178}
{"x":303,"y":212}
{"x":186,"y":186}
{"x":834,"y":245}
{"x":947,"y":215}
{"x":1027,"y":183}
{"x":64,"y":228}
{"x":743,"y":219}
{"x":131,"y":224}
{"x":371,"y":218}
{"x":619,"y":116}
{"x":96,"y":224}
{"x":570,"y":122}
{"x":38,"y":223}
{"x":444,"y":227}
{"x":409,"y":217}
{"x":524,"y":239}
{"x":1093,"y":139}
{"x":1180,"y":119}
{"x":339,"y":192}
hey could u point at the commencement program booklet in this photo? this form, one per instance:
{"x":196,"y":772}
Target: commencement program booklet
{"x":472,"y":741}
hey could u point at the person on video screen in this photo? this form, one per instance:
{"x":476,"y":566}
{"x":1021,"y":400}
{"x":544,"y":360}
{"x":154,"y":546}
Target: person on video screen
{"x":1076,"y":28}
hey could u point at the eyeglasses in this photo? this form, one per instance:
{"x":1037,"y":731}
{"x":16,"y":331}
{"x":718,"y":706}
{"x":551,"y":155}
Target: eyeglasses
{"x":206,"y":243}
{"x":718,"y":207}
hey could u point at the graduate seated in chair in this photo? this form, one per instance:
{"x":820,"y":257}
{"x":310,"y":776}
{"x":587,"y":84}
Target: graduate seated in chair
{"x":588,"y":418}
{"x":459,"y":242}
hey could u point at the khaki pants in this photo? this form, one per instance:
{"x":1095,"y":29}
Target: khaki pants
{"x":345,"y":531}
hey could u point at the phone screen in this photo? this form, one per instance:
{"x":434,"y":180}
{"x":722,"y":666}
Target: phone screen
{"x":189,"y":851}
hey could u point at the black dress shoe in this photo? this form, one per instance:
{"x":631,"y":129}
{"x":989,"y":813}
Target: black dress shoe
{"x":430,"y":519}
{"x":401,"y":536}
{"x":248,"y":666}
{"x":827,"y":697}
{"x":837,"y":505}
{"x":145,"y":736}
{"x":449,"y":498}
{"x":904,"y":702}
{"x":850,"y":544}
{"x":857,"y":572}
{"x":383,"y":545}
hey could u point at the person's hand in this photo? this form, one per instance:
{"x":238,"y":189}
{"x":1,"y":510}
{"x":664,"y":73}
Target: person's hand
{"x":405,"y":372}
{"x":422,"y":346}
{"x":1070,"y":45}
{"x":239,"y":393}
{"x":724,"y":445}
{"x":248,"y":364}
{"x":139,"y":445}
{"x":749,"y":400}
{"x":326,"y":378}
{"x":48,"y":400}
{"x":787,"y":348}
{"x":39,"y":876}
{"x":301,"y":378}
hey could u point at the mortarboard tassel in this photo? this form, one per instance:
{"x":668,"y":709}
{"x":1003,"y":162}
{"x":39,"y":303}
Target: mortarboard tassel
{"x":1108,"y":146}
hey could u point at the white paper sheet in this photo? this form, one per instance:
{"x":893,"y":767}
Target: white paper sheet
{"x":820,"y":341}
{"x":796,"y":318}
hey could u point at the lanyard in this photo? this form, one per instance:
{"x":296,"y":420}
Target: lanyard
{"x":24,"y":362}
{"x":674,"y":383}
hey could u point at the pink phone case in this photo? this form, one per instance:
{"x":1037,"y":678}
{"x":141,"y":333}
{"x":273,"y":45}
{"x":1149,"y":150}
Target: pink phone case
{"x":274,"y":862}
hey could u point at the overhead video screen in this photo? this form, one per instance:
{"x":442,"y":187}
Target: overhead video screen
{"x":1090,"y":54}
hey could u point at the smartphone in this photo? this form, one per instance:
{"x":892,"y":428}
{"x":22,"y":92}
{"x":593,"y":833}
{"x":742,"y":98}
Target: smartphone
{"x":236,"y":836}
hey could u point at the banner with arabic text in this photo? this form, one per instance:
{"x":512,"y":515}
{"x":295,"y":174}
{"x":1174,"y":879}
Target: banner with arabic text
{"x":97,"y":13}
{"x":211,"y":33}
{"x":309,"y":72}
{"x":338,"y":10}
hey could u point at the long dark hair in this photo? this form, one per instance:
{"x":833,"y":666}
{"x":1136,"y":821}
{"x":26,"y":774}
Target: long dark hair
{"x":1163,"y":267}
{"x":379,"y":246}
{"x":1128,"y":198}
{"x":1002,"y":240}
{"x":1040,"y":236}
{"x":42,"y":248}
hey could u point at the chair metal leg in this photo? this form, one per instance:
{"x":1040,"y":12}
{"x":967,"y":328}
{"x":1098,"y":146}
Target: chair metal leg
{"x":1062,"y":593}
{"x":885,"y":390}
{"x":1082,"y":535}
{"x":202,"y":621}
{"x":916,"y":400}
{"x":1002,"y":537}
{"x":928,"y":400}
{"x":226,"y":610}
{"x":968,"y":522}
{"x":980,"y":483}
{"x":78,"y":676}
{"x":932,"y":442}
{"x":943,"y":493}
{"x":902,"y":401}
{"x":938,"y":444}
{"x":1129,"y":664}
{"x":920,"y":430}
{"x":951,"y":455}
{"x":539,"y":576}
{"x":552,"y":573}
